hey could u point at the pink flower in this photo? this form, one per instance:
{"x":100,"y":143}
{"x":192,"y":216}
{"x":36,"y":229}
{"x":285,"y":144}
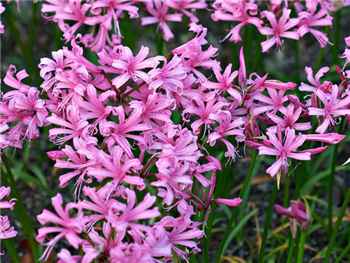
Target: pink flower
{"x":2,"y":28}
{"x":118,"y":133}
{"x":159,"y":14}
{"x":171,"y":180}
{"x":16,"y":81}
{"x":97,"y":203}
{"x":155,"y":110}
{"x":310,"y":20}
{"x":229,"y":202}
{"x":6,"y":230}
{"x":70,"y":10}
{"x":131,"y":67}
{"x":65,"y":225}
{"x":4,"y":192}
{"x":333,"y":107}
{"x":290,"y":119}
{"x":182,"y":230}
{"x":283,"y":148}
{"x":123,"y":215}
{"x":72,"y":125}
{"x":346,"y":54}
{"x":243,"y":12}
{"x":228,"y":126}
{"x":77,"y":161}
{"x":22,"y":112}
{"x":271,"y":103}
{"x":330,"y":138}
{"x":170,"y":77}
{"x":297,"y":213}
{"x":95,"y":105}
{"x":204,"y":109}
{"x":187,"y":7}
{"x":178,"y":146}
{"x":99,"y":244}
{"x":281,"y":28}
{"x":64,"y":256}
{"x":224,"y":82}
{"x":315,"y":80}
{"x":194,"y":56}
{"x":118,"y":167}
{"x":347,"y":41}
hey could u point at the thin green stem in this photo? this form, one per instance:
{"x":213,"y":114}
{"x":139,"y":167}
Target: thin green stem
{"x":286,"y":191}
{"x":160,"y":43}
{"x":336,"y":227}
{"x":336,"y":37}
{"x":290,"y":248}
{"x":245,"y":191}
{"x":344,"y":253}
{"x":208,"y":236}
{"x":244,"y":195}
{"x":267,"y":224}
{"x":330,"y":189}
{"x":247,"y":185}
{"x":300,"y":244}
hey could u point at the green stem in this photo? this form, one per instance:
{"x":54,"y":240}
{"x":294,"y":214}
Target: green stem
{"x":11,"y":252}
{"x":290,"y":248}
{"x":297,"y":62}
{"x":208,"y":236}
{"x":330,"y":189}
{"x":160,"y":43}
{"x":245,"y":191}
{"x":344,"y":253}
{"x":267,"y":223}
{"x":286,"y":191}
{"x":337,"y":225}
{"x":300,"y":244}
{"x":244,"y":195}
{"x":336,"y":37}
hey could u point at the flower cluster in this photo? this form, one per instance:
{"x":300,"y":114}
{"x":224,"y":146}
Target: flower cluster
{"x":119,"y":143}
{"x":22,"y":111}
{"x":6,"y":230}
{"x":135,"y":131}
{"x":104,"y":15}
{"x":273,"y":19}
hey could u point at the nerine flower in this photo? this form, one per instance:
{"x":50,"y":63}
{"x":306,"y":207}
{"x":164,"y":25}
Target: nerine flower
{"x":224,"y":82}
{"x":2,"y":28}
{"x":243,"y":12}
{"x":289,"y":119}
{"x":4,"y":192}
{"x":297,"y":213}
{"x":64,"y":225}
{"x":228,"y":126}
{"x":6,"y":230}
{"x":280,"y":28}
{"x":159,"y":14}
{"x":118,"y":167}
{"x":132,"y":67}
{"x":187,"y":7}
{"x":271,"y":103}
{"x":333,"y":106}
{"x":309,"y":20}
{"x":283,"y":147}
